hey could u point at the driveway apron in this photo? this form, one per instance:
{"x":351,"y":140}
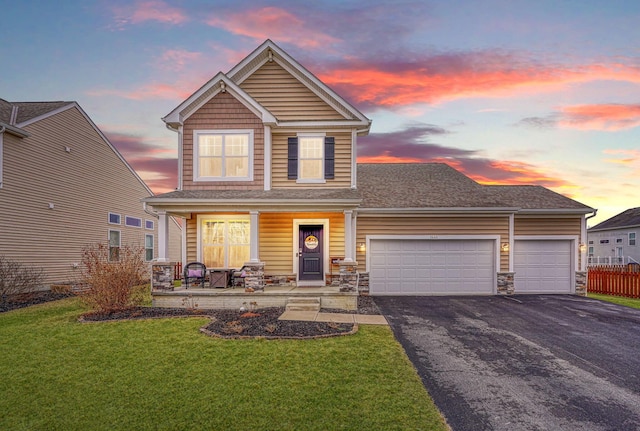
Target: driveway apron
{"x":535,"y":362}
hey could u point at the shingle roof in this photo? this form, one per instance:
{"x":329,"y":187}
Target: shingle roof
{"x":534,"y":197}
{"x":404,"y":186}
{"x":26,"y":111}
{"x":278,"y":194}
{"x":628,"y":218}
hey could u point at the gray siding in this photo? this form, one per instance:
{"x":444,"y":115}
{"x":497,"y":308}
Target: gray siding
{"x":83,"y":186}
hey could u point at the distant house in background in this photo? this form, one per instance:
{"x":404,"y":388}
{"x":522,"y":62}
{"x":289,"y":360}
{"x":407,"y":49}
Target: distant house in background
{"x":616,"y":240}
{"x":63,"y":186}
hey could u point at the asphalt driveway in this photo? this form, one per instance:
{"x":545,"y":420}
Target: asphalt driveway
{"x":535,"y":362}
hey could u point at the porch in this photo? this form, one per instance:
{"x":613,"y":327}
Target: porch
{"x":270,"y":296}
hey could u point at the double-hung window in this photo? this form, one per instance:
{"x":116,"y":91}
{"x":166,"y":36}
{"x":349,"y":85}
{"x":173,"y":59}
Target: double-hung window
{"x":114,"y":245}
{"x":223,"y":155}
{"x":224,"y":241}
{"x":632,"y":238}
{"x":148,"y":247}
{"x":311,"y":158}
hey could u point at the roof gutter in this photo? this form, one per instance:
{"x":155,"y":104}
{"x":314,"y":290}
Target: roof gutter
{"x":13,"y":130}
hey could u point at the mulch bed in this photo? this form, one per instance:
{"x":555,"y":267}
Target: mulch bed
{"x":13,"y":302}
{"x":262,"y":323}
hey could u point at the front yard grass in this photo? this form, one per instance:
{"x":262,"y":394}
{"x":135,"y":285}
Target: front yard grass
{"x":621,"y":300}
{"x":163,"y":374}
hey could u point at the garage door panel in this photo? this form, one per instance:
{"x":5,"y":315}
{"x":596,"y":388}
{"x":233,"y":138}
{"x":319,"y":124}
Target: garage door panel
{"x":543,"y":266}
{"x":432,"y":267}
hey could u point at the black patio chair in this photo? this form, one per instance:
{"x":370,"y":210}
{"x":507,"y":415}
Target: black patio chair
{"x":194,"y":273}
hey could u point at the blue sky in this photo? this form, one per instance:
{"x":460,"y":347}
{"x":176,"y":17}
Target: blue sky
{"x":508,"y":92}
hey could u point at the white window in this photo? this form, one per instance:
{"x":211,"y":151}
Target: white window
{"x":114,"y":218}
{"x":590,"y":251}
{"x":311,"y":158}
{"x":149,"y":224}
{"x":632,"y":238}
{"x":224,"y":241}
{"x":114,"y":245}
{"x":223,"y":155}
{"x":148,"y":247}
{"x":132,"y":221}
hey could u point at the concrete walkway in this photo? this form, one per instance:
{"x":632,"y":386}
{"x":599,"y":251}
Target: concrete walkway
{"x":315,"y":316}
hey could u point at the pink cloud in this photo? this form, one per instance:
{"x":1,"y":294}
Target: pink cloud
{"x":178,"y":59}
{"x":151,"y":10}
{"x":149,"y":91}
{"x":627,"y":158}
{"x":607,"y":117}
{"x":433,"y":79}
{"x":272,"y":23}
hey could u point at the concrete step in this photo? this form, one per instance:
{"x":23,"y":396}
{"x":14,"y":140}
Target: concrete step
{"x":303,"y":304}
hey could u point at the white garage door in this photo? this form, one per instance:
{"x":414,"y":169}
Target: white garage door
{"x":542,"y":266}
{"x":431,"y":267}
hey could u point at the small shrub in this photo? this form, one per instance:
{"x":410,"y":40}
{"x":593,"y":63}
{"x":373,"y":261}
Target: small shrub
{"x":113,"y":285}
{"x":16,"y":278}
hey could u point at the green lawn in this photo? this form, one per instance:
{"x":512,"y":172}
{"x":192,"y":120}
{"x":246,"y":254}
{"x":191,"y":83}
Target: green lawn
{"x":629,"y":302}
{"x":58,"y":374}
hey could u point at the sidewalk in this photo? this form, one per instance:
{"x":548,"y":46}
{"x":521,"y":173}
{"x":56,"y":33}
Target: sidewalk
{"x":315,"y":316}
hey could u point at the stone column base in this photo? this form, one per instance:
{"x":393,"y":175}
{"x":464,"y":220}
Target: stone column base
{"x":162,"y":276}
{"x":348,"y":276}
{"x":505,"y":283}
{"x":581,"y":283}
{"x":254,"y":278}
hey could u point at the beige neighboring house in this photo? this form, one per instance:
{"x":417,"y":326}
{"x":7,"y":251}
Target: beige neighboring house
{"x":268,"y":178}
{"x":63,"y":185}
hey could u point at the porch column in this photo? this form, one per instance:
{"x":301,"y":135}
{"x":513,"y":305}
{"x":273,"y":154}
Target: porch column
{"x":349,"y":246}
{"x":253,"y":241}
{"x":163,"y":236}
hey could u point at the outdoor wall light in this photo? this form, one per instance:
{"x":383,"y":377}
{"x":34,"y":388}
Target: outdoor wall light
{"x":582,"y":247}
{"x":504,"y":247}
{"x":361,"y":247}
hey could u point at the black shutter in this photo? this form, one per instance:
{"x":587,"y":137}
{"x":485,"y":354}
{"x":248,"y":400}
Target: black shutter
{"x":329,"y":157}
{"x":292,"y":159}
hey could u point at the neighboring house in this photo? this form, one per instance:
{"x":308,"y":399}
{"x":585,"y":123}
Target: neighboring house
{"x":268,"y":177}
{"x":63,"y":186}
{"x":616,"y":240}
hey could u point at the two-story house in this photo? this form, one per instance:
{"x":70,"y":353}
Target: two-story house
{"x":64,"y":186}
{"x":268,"y":178}
{"x":616,"y":240}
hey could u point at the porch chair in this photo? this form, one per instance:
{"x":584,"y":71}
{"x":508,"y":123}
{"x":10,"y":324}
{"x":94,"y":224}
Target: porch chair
{"x":237,"y":276}
{"x":194,"y":272}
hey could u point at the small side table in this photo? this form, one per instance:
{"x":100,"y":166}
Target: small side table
{"x":218,"y":277}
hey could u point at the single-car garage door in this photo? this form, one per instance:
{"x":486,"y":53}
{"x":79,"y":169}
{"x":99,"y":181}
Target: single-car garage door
{"x":542,"y":266}
{"x":431,"y":267}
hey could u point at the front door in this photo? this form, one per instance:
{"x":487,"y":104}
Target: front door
{"x":310,"y":253}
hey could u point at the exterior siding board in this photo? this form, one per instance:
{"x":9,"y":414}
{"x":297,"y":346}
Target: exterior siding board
{"x":83,"y":185}
{"x":545,"y":225}
{"x":431,"y":225}
{"x":286,"y":97}
{"x":223,"y":112}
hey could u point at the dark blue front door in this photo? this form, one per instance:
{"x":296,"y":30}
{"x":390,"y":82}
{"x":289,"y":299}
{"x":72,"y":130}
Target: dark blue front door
{"x":310,"y":253}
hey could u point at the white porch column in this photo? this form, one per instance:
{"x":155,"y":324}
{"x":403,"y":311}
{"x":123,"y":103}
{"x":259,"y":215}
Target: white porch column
{"x":349,"y":246}
{"x":163,"y":236}
{"x":253,"y":241}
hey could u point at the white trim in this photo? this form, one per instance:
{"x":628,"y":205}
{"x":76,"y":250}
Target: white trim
{"x":267,"y":158}
{"x":311,"y":135}
{"x":511,"y":240}
{"x":224,"y":133}
{"x":180,"y":156}
{"x":296,"y":246}
{"x":494,"y":238}
{"x":153,"y":248}
{"x":354,"y":159}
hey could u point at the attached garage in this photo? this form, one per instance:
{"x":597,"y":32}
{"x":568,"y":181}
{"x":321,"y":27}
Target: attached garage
{"x":418,"y":266}
{"x":543,"y":266}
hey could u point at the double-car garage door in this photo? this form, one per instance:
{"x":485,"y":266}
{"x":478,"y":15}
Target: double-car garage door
{"x":401,"y":266}
{"x":431,"y":267}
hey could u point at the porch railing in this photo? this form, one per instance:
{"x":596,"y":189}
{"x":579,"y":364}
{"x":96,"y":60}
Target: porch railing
{"x":609,"y":260}
{"x":177,"y":271}
{"x":619,"y":280}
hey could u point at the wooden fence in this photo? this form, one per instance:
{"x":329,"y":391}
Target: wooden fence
{"x":177,"y":271}
{"x":619,"y":280}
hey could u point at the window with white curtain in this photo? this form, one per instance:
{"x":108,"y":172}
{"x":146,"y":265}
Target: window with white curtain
{"x":223,"y":155}
{"x":224,"y":241}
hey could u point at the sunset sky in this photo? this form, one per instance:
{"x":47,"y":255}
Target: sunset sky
{"x":509,"y":92}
